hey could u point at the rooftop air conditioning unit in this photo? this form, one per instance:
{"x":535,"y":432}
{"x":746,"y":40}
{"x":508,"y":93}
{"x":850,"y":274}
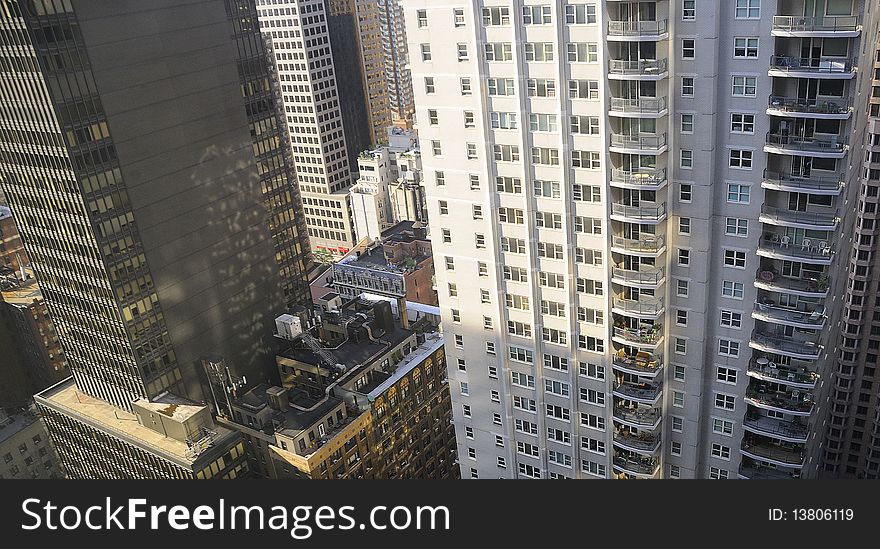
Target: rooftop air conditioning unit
{"x":288,"y":327}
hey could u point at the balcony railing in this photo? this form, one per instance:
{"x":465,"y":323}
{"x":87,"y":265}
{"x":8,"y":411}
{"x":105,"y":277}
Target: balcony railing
{"x":782,"y":401}
{"x":814,"y":319}
{"x":635,"y":465}
{"x":810,"y":183}
{"x":640,"y":336}
{"x":811,"y":144}
{"x":637,"y":28}
{"x":782,"y":429}
{"x":642,"y":441}
{"x":787,"y":345}
{"x":782,"y":374}
{"x":648,"y":276}
{"x":766,"y":473}
{"x":638,"y":416}
{"x":826,"y":23}
{"x":774,"y":452}
{"x":650,"y":213}
{"x":640,"y":142}
{"x":641,"y":391}
{"x":641,"y":105}
{"x":828,"y":221}
{"x":652,"y":244}
{"x":643,"y":306}
{"x":815,"y":251}
{"x":816,"y":65}
{"x":643,"y":362}
{"x":809,"y":106}
{"x":647,"y":178}
{"x":640,"y":67}
{"x":803,"y":285}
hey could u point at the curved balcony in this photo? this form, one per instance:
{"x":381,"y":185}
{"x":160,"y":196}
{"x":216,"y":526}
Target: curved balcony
{"x":646,"y":246}
{"x":805,"y":287}
{"x":819,"y":67}
{"x":783,"y":430}
{"x":642,"y":364}
{"x":813,"y":184}
{"x":637,"y":31}
{"x":642,"y":107}
{"x":793,"y":107}
{"x":645,"y":277}
{"x":643,"y":179}
{"x":811,"y":320}
{"x":793,"y":402}
{"x":650,"y":215}
{"x":772,"y":453}
{"x":642,"y":468}
{"x":641,"y":69}
{"x":805,"y":146}
{"x":786,"y":346}
{"x":770,"y":372}
{"x":777,"y":247}
{"x":642,"y":443}
{"x":826,"y":26}
{"x":648,"y":307}
{"x":646,"y":393}
{"x":648,"y":339}
{"x":641,"y":418}
{"x":758,"y":472}
{"x":814,"y":221}
{"x":638,"y":144}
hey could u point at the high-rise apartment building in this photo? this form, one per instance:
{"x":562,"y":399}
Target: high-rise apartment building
{"x":397,"y":73}
{"x":644,"y":204}
{"x":143,"y":159}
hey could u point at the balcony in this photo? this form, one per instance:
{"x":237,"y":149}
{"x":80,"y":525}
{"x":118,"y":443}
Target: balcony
{"x":805,"y":287}
{"x":786,"y":346}
{"x":638,"y":143}
{"x":639,"y":214}
{"x":643,"y":179}
{"x":805,"y":146}
{"x":645,"y":245}
{"x":641,"y":69}
{"x":819,"y":67}
{"x":642,"y":443}
{"x":639,"y":466}
{"x":812,"y":184}
{"x":773,"y":453}
{"x":814,"y":221}
{"x":646,"y":393}
{"x":641,"y":418}
{"x":783,"y":430}
{"x":637,"y":31}
{"x":648,"y":337}
{"x":809,"y":108}
{"x":795,"y":403}
{"x":647,"y":307}
{"x":811,"y":320}
{"x":642,"y":107}
{"x":828,"y":26}
{"x":642,"y":364}
{"x":646,"y":277}
{"x":761,"y":368}
{"x":776,"y":247}
{"x":759,"y":472}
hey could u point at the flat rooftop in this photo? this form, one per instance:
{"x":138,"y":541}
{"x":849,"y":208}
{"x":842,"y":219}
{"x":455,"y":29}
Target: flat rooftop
{"x":11,"y":425}
{"x":296,"y":420}
{"x":173,"y":406}
{"x":67,"y":398}
{"x":352,"y":353}
{"x":25,"y":294}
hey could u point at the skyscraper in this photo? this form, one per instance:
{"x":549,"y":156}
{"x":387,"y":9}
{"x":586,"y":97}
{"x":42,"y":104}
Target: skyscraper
{"x":397,"y":72}
{"x":644,"y":204}
{"x":143,"y":158}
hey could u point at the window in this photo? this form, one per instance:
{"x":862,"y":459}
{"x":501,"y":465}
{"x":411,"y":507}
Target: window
{"x":678,"y":399}
{"x":551,"y":280}
{"x":737,"y":227}
{"x":429,"y":85}
{"x":525,"y":404}
{"x":547,"y":189}
{"x":687,"y":123}
{"x":592,"y":421}
{"x":740,"y":159}
{"x":472,"y":454}
{"x":477,"y":211}
{"x":675,"y":448}
{"x":586,"y":193}
{"x":500,"y":86}
{"x":583,"y":89}
{"x":462,"y":365}
{"x":484,"y":296}
{"x":447,"y":235}
{"x":688,"y":48}
{"x":729,"y":348}
{"x":541,"y":87}
{"x":558,"y":412}
{"x":464,"y":389}
{"x":593,"y":468}
{"x":522,"y":380}
{"x":444,"y":207}
{"x":456,"y":315}
{"x":681,"y":317}
{"x":674,"y":470}
{"x":731,"y":319}
{"x":686,"y":159}
{"x":583,"y":52}
{"x":585,"y":125}
{"x":426,"y":52}
{"x":580,"y":14}
{"x":593,"y":397}
{"x":506,"y":153}
{"x":677,"y":424}
{"x":422,"y":17}
{"x":557,"y":388}
{"x":548,"y":220}
{"x":742,"y":123}
{"x":588,"y":225}
{"x":678,"y":372}
{"x":732,"y":289}
{"x":462,"y":52}
{"x":516,"y":274}
{"x":592,"y":371}
{"x":738,"y":193}
{"x":553,"y":362}
{"x":520,"y":355}
{"x":458,"y":17}
{"x":684,"y":257}
{"x":719,"y":474}
{"x":513,"y":245}
{"x":558,"y":435}
{"x":735,"y":259}
{"x":536,"y":15}
{"x":502,"y":463}
{"x":550,"y":251}
{"x":553,"y":335}
{"x":689,"y":10}
{"x":459,"y":341}
{"x":685,"y":192}
{"x":471,"y":150}
{"x":726,"y":375}
{"x":496,"y":418}
{"x":474,"y":179}
{"x":684,"y":225}
{"x":542,"y":122}
{"x":530,"y":471}
{"x":589,"y":286}
{"x":439,"y":179}
{"x":590,"y":160}
{"x":469,"y":432}
{"x":687,"y":86}
{"x":490,"y":350}
{"x":492,"y":370}
{"x":745,"y":86}
{"x":745,"y":48}
{"x":466,"y":410}
{"x":436,"y":149}
{"x":720,"y":451}
{"x":680,"y":345}
{"x":588,"y":257}
{"x":539,"y":51}
{"x":465,"y":85}
{"x":681,"y":288}
{"x":499,"y":15}
{"x":748,"y":9}
{"x":545,"y":156}
{"x":593,"y":445}
{"x":526,"y":427}
{"x":498,"y":51}
{"x":479,"y":240}
{"x":511,"y":215}
{"x":592,"y":344}
{"x":432,"y":117}
{"x":474,"y":473}
{"x":722,"y":427}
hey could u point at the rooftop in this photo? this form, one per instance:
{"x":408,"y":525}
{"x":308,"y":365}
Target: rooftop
{"x":173,"y":406}
{"x":23,"y":294}
{"x":302,"y":414}
{"x":12,"y":424}
{"x":5,"y":212}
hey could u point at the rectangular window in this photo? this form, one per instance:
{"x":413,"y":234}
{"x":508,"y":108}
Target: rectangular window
{"x":684,"y":225}
{"x":506,"y":153}
{"x":500,"y":86}
{"x":545,"y":156}
{"x":422,"y":17}
{"x":726,"y":375}
{"x":735,"y":259}
{"x":745,"y":86}
{"x":731,"y":319}
{"x":503,"y":120}
{"x":498,"y":51}
{"x":684,"y":257}
{"x":742,"y":123}
{"x":590,"y":160}
{"x":585,"y":125}
{"x":729,"y":348}
{"x":689,"y":10}
{"x":745,"y":47}
{"x":748,"y":9}
{"x":583,"y":89}
{"x":536,"y":15}
{"x":737,"y":227}
{"x":687,"y":86}
{"x":738,"y":193}
{"x":496,"y":15}
{"x":547,"y":189}
{"x":458,"y":17}
{"x":580,"y":14}
{"x":732,"y":289}
{"x":740,"y":159}
{"x":583,"y":52}
{"x":686,"y":159}
{"x":542,"y":122}
{"x":426,"y":52}
{"x":539,"y":51}
{"x":687,"y":123}
{"x":462,"y":52}
{"x":688,"y":48}
{"x":685,"y":192}
{"x":722,"y":427}
{"x":541,"y":87}
{"x":682,"y":288}
{"x":511,"y":185}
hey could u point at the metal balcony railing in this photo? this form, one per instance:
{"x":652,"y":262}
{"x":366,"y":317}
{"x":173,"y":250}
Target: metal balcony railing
{"x":638,"y":141}
{"x":806,"y":285}
{"x":640,"y":105}
{"x":783,"y":401}
{"x":768,"y":371}
{"x":811,"y":106}
{"x":812,"y":144}
{"x":643,"y":362}
{"x":786,"y":345}
{"x":637,"y":416}
{"x":645,"y":337}
{"x":826,"y":23}
{"x":642,"y":391}
{"x":644,"y":244}
{"x":781,"y":245}
{"x":639,"y":466}
{"x":651,"y":213}
{"x":773,"y":452}
{"x":648,"y":178}
{"x":783,"y":314}
{"x":643,"y":306}
{"x":643,"y":441}
{"x":639,"y":67}
{"x":826,"y":220}
{"x":637,"y":28}
{"x":770,"y":426}
{"x":649,"y":276}
{"x":807,"y":183}
{"x":816,"y":65}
